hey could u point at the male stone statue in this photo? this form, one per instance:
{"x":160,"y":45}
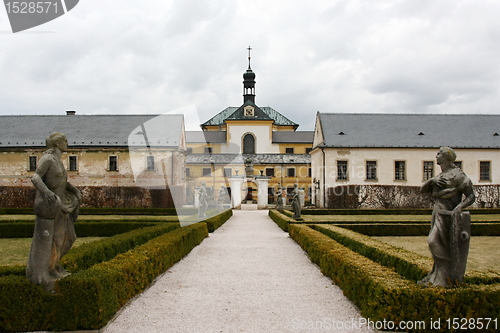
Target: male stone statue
{"x":202,"y":195}
{"x":57,"y":205}
{"x":450,"y":227}
{"x":296,"y":202}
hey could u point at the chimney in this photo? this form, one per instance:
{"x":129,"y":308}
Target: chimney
{"x":70,"y":112}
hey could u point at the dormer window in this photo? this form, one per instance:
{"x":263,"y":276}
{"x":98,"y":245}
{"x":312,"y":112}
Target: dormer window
{"x":248,"y":111}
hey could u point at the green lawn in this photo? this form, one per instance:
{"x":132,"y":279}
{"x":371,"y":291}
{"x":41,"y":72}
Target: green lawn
{"x":483,"y":251}
{"x":14,"y":251}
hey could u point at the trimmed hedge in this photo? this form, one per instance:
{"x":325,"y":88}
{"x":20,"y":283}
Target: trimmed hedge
{"x":409,"y":264}
{"x":382,"y":294}
{"x":112,"y":211}
{"x":89,"y":298}
{"x":87,"y":255}
{"x":412,"y":229}
{"x":280,"y":219}
{"x":214,"y":222}
{"x":83,"y":229}
{"x":395,"y":211}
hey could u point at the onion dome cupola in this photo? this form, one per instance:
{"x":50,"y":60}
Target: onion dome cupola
{"x":249,"y":82}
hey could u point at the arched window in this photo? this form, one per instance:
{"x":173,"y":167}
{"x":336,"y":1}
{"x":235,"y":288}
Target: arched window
{"x":248,"y":144}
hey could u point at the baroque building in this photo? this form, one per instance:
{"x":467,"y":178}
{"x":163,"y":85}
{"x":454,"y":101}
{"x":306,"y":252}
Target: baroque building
{"x":117,"y":160}
{"x":250,"y":140}
{"x":399,"y":150}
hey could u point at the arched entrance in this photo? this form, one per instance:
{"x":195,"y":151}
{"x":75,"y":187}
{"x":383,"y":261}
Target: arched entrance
{"x":249,"y":192}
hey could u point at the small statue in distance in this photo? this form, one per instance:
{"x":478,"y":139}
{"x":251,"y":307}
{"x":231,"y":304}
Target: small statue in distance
{"x":221,"y":198}
{"x":449,"y":237}
{"x":202,"y":195}
{"x":279,"y":199}
{"x":296,"y":202}
{"x":57,"y":205}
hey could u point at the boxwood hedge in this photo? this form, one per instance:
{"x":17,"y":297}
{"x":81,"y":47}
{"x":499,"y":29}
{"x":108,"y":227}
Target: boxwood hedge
{"x":383,"y":294}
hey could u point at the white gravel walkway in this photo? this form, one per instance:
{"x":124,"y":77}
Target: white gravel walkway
{"x":248,"y":276}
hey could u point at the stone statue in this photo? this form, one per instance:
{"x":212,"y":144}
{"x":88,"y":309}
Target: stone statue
{"x":57,"y":205}
{"x":248,"y":167}
{"x":279,"y":199}
{"x":221,"y":198}
{"x":296,"y":201}
{"x":202,"y":195}
{"x":450,"y":227}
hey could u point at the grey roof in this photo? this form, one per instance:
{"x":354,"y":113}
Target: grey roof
{"x":92,"y":130}
{"x":206,"y":136}
{"x":293,"y":137}
{"x":409,"y":130}
{"x":241,"y":158}
{"x":234,"y":113}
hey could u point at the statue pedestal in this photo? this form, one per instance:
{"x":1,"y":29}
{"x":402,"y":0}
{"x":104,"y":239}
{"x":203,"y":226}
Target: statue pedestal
{"x":262,"y":199}
{"x":236,"y":186}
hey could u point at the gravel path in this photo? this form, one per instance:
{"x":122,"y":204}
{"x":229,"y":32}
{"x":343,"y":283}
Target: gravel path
{"x":248,"y":276}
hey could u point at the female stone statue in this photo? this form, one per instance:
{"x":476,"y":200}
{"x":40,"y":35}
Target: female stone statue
{"x":450,"y":227}
{"x":57,"y":205}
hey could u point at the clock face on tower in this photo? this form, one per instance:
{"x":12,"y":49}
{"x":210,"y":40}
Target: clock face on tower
{"x":248,"y":111}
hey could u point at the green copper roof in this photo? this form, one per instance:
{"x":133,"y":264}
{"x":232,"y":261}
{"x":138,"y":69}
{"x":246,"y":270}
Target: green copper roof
{"x":234,"y":113}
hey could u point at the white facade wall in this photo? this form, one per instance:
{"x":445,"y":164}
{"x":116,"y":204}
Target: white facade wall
{"x":262,"y":134}
{"x":414,"y":158}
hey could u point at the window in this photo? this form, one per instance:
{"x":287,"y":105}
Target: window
{"x":188,"y":172}
{"x":400,"y":170}
{"x":113,"y":163}
{"x":32,"y":163}
{"x":484,"y":170}
{"x":228,"y":172}
{"x":206,"y":172}
{"x":289,"y":150}
{"x":150,"y":163}
{"x":309,"y":172}
{"x":190,"y":150}
{"x":371,"y":170}
{"x":270,"y":172}
{"x":72,"y":163}
{"x":208,"y":150}
{"x":290,"y":172}
{"x":341,"y":170}
{"x":428,"y":170}
{"x":458,"y":164}
{"x":308,"y":150}
{"x":248,"y":144}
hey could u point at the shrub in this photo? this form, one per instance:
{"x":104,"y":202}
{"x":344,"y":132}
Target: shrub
{"x":382,"y":294}
{"x":83,"y":229}
{"x":89,"y":298}
{"x":280,"y":219}
{"x":214,"y":222}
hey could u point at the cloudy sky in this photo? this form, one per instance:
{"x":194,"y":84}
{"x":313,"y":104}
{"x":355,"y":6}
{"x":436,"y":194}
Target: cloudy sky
{"x":155,"y":56}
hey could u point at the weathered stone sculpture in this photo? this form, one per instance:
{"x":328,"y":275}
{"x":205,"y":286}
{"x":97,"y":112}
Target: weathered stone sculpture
{"x":202,"y":195}
{"x":248,"y":167}
{"x":57,"y":205}
{"x":279,"y":199}
{"x":450,"y":227}
{"x":221,"y":198}
{"x":296,"y":201}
